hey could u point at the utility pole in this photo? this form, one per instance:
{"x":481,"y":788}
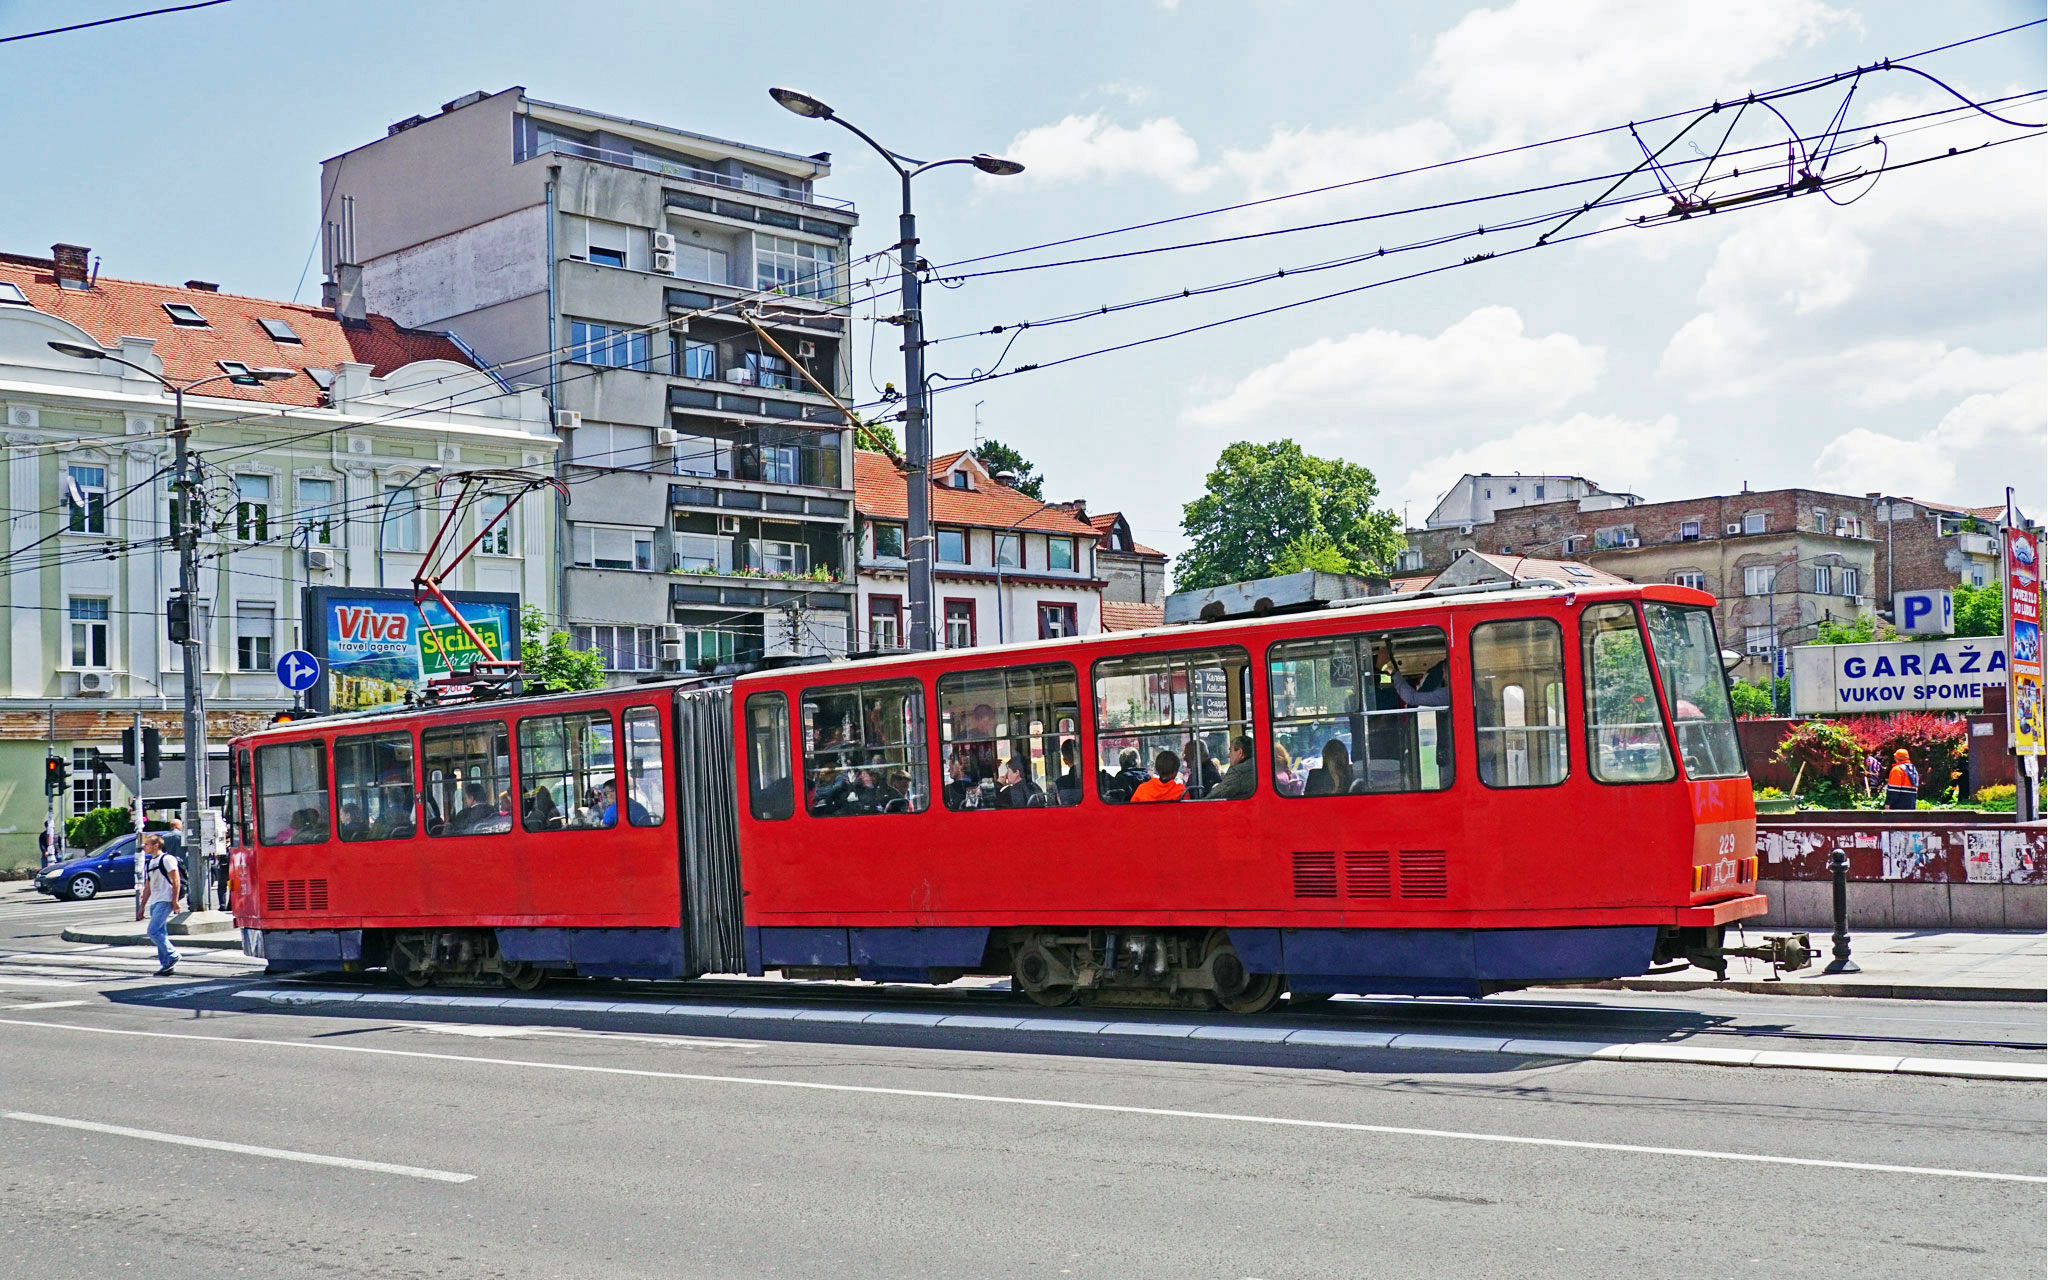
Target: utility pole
{"x":187,"y":539}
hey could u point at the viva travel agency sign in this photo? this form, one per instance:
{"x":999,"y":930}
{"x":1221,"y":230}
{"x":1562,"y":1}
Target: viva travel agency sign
{"x":378,"y":648}
{"x":1938,"y":675}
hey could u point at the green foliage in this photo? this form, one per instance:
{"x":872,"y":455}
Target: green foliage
{"x":877,"y":437}
{"x":551,"y":665}
{"x":1862,"y":630}
{"x":1271,"y":508}
{"x":1827,"y":793}
{"x":997,"y":456}
{"x":95,"y":827}
{"x":2004,"y":797}
{"x":1980,"y":611}
{"x":1831,"y":757}
{"x":1763,"y":698}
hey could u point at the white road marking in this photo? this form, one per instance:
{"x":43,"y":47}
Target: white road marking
{"x":25,"y":981}
{"x":40,"y":1005}
{"x":1320,"y":1037}
{"x":243,"y":1149}
{"x":489,"y":1031}
{"x":1060,"y":1104}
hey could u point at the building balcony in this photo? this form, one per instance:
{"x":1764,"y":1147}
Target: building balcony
{"x":714,"y":184}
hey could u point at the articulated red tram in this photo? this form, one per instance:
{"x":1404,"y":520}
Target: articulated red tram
{"x":1447,"y":794}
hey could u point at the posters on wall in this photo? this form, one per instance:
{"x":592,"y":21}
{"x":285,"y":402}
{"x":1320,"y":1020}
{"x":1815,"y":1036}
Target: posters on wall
{"x":377,"y":648}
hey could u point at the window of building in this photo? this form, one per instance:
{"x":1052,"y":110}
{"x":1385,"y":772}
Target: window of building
{"x":1009,"y":738}
{"x":1757,"y":579}
{"x":701,"y":262}
{"x":705,"y":648}
{"x":255,"y":636}
{"x":1820,"y":520}
{"x":782,"y":555}
{"x":400,"y":520}
{"x":239,"y":373}
{"x":610,"y":547}
{"x":86,"y":495}
{"x":1823,"y":580}
{"x":621,"y":648}
{"x":702,"y":552}
{"x":1518,"y":703}
{"x":1181,"y":710}
{"x":1755,"y":522}
{"x":1059,"y":554}
{"x":291,"y":793}
{"x":770,"y":791}
{"x":888,"y":541}
{"x":494,"y":524}
{"x":1057,"y":620}
{"x":1760,"y":641}
{"x":467,"y":779}
{"x":1851,"y":582}
{"x":11,"y":294}
{"x":1689,"y":531}
{"x":1411,"y":560}
{"x":1621,"y":535}
{"x":1689,"y":665}
{"x":89,"y":790}
{"x":864,"y":749}
{"x":960,"y":480}
{"x":952,"y":544}
{"x":315,"y":513}
{"x":609,"y":346}
{"x":960,"y":624}
{"x":1848,"y":526}
{"x":606,"y":244}
{"x":185,"y":315}
{"x":565,"y":763}
{"x":696,"y":359}
{"x":252,"y":508}
{"x":322,"y":378}
{"x":773,"y":371}
{"x":885,"y":622}
{"x":646,"y":791}
{"x":89,"y":631}
{"x":1624,"y":729}
{"x":1690,"y":578}
{"x":373,"y":787}
{"x":798,"y":267}
{"x":279,"y":331}
{"x":1362,"y":714}
{"x":1009,"y":550}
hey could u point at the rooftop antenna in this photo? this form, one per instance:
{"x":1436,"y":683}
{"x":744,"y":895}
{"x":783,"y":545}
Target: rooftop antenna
{"x":977,"y":422}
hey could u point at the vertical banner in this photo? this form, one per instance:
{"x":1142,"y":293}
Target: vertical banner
{"x":2023,"y":640}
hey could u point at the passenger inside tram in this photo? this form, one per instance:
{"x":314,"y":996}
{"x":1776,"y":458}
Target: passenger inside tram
{"x":1430,"y":689}
{"x":1164,"y":784}
{"x":1015,"y":790}
{"x":1285,"y":780}
{"x":1333,"y":778}
{"x":1068,"y":787}
{"x":351,"y":826}
{"x":1240,"y":779}
{"x":477,"y":813}
{"x":1117,"y":787}
{"x":1199,"y":767}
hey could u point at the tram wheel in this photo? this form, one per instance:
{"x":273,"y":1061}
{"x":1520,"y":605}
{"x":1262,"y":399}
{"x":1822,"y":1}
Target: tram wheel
{"x":1237,"y":990}
{"x":522,"y":976}
{"x":1053,"y":997}
{"x":415,"y":978}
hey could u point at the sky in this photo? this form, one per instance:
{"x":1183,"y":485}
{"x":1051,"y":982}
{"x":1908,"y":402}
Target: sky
{"x":1886,"y":335}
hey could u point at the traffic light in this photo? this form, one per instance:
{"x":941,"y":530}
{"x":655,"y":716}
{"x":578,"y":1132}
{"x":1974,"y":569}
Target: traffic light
{"x":97,"y":764}
{"x":152,"y":752}
{"x":290,"y":714}
{"x":56,"y":776}
{"x":178,"y":617}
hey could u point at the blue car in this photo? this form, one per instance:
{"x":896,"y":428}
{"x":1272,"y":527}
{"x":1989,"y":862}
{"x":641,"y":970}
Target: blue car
{"x":109,"y":868}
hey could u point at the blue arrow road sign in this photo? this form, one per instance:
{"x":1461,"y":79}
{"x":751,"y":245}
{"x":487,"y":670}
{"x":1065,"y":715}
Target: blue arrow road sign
{"x":298,"y":671}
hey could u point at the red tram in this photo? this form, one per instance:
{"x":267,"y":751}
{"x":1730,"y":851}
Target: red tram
{"x":1446,"y":794}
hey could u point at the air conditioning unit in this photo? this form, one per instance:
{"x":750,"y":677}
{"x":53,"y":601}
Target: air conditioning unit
{"x":665,"y":264}
{"x":742,"y":375}
{"x":807,"y":350}
{"x":666,"y":437}
{"x":1630,"y":542}
{"x":664,"y":243}
{"x":1733,"y":529}
{"x":94,"y":683}
{"x":318,"y":559}
{"x":728,"y":524}
{"x":567,"y":419}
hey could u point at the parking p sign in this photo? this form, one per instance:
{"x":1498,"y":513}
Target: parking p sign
{"x":1925,"y":613}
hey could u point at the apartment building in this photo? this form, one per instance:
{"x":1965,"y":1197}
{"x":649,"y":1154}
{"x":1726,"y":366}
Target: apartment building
{"x":681,"y":299}
{"x":325,"y":477}
{"x":1004,"y":566}
{"x":1133,"y":574}
{"x":1476,"y":499}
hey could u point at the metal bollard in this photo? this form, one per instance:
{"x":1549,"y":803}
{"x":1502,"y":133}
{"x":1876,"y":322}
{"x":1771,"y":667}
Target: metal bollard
{"x":1838,"y":863}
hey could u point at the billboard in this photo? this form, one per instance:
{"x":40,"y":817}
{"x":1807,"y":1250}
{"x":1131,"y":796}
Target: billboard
{"x":376,"y":649}
{"x":2023,"y":635}
{"x":1896,"y":675}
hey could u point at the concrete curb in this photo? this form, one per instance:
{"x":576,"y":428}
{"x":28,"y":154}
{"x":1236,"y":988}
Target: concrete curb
{"x":228,"y":942}
{"x":1804,"y":987}
{"x":1321,"y":1037}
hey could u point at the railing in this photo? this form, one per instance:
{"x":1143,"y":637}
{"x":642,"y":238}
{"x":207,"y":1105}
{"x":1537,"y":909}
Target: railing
{"x":688,"y":173}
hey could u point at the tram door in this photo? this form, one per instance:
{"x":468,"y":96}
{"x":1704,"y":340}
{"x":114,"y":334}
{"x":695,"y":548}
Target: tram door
{"x":707,"y":824}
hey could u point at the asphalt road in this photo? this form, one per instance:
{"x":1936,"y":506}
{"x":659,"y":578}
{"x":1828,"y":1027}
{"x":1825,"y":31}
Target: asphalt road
{"x":473,"y":1145}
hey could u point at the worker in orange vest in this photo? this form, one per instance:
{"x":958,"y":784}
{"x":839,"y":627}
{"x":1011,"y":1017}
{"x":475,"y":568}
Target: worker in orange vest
{"x":1902,"y":785}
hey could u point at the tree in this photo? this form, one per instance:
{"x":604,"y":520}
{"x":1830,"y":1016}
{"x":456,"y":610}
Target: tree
{"x":997,"y":456}
{"x":1980,"y":611}
{"x":1860,"y":630}
{"x":551,"y":665}
{"x":876,"y":437}
{"x":1271,"y":508}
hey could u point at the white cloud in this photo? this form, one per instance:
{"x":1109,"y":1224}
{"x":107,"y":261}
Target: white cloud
{"x":1592,"y":445}
{"x":1538,"y":67}
{"x":1304,"y":159}
{"x":1988,"y":441}
{"x":1482,"y":365}
{"x":1081,"y":148}
{"x":1128,"y":93}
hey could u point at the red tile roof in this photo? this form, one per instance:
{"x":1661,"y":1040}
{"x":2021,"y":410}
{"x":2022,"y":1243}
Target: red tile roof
{"x":115,"y":309}
{"x":880,"y":493}
{"x":1107,"y":520}
{"x":1124,"y":615}
{"x":1521,"y":568}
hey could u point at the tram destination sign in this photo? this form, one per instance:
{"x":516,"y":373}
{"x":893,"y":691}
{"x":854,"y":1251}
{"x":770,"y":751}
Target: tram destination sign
{"x":1936,"y":675}
{"x":378,"y":650}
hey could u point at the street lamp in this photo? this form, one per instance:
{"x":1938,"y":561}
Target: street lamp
{"x":186,"y":538}
{"x":917,"y":444}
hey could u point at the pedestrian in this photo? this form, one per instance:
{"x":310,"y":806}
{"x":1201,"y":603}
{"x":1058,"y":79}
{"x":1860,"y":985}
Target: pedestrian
{"x":1873,"y":774}
{"x":1902,"y":785}
{"x":43,"y":846}
{"x":161,"y":888}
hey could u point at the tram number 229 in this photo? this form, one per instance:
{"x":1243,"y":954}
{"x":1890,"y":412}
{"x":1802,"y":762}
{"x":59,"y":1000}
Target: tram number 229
{"x":1727,"y":849}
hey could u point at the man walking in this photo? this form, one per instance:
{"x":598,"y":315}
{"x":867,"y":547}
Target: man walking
{"x":1902,"y":785}
{"x":161,"y":888}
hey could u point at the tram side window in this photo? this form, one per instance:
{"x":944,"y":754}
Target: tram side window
{"x":291,"y":793}
{"x":1010,"y":738}
{"x":467,"y":779}
{"x":1361,"y":714}
{"x":1624,"y":728}
{"x":567,"y":768}
{"x":1518,"y":703}
{"x":864,"y":749}
{"x":1164,"y":723}
{"x":373,"y":787}
{"x":240,"y":833}
{"x":646,"y":780}
{"x":771,"y":793}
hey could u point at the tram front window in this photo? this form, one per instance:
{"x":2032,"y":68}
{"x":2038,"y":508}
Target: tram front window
{"x":1688,"y":659}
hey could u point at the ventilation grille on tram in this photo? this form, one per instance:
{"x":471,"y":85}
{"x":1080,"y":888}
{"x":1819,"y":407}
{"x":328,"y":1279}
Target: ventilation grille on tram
{"x":1315,"y":875}
{"x":1425,"y":873}
{"x":1373,"y":874}
{"x":295,"y":895}
{"x":1368,"y":874}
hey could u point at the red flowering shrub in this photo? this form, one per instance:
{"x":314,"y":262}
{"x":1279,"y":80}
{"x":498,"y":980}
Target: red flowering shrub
{"x":1939,"y":745}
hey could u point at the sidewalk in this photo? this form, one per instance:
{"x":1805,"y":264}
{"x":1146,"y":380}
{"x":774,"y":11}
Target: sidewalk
{"x":1901,"y":965}
{"x":213,"y":929}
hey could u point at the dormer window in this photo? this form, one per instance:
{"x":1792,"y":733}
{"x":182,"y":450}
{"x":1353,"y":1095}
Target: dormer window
{"x":11,"y":294}
{"x":186,"y":315}
{"x":959,"y":480}
{"x":279,"y":331}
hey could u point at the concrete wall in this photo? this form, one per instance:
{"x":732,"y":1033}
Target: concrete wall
{"x":1809,"y":904}
{"x":469,"y":155}
{"x":475,"y":268}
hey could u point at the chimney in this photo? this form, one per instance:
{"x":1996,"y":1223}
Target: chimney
{"x":203,"y":286}
{"x":71,"y":265}
{"x":345,"y":294}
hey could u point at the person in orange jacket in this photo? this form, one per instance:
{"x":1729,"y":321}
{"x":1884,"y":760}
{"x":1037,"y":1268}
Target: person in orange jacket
{"x":1166,"y":786}
{"x":1902,"y":784}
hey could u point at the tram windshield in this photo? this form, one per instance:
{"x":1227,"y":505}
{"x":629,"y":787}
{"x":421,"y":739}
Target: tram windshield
{"x":1688,"y":659}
